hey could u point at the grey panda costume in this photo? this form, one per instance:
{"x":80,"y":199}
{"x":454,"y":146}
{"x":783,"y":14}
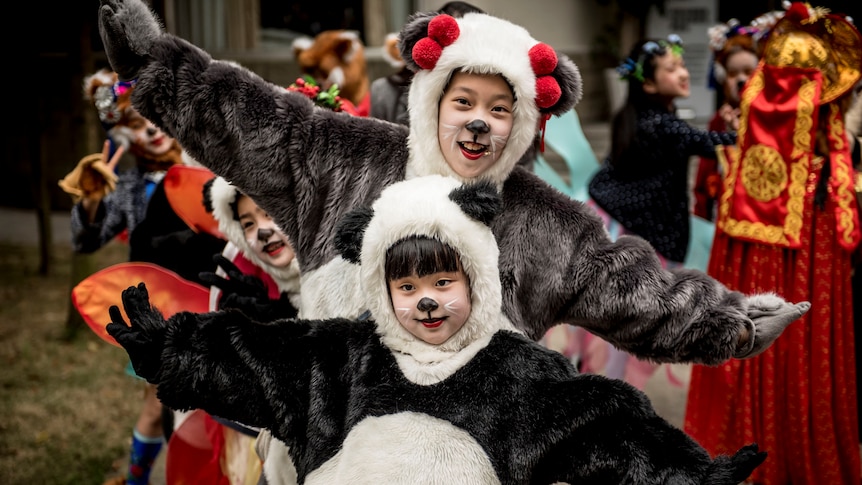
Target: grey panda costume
{"x":220,"y":198}
{"x":365,"y":402}
{"x":308,"y":167}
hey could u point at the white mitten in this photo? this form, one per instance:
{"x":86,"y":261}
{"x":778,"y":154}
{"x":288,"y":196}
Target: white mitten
{"x":770,"y":315}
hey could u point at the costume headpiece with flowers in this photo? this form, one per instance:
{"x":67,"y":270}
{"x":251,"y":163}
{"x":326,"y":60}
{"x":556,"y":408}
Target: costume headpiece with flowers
{"x":811,"y":58}
{"x":435,"y":46}
{"x":113,"y":101}
{"x":632,"y":68}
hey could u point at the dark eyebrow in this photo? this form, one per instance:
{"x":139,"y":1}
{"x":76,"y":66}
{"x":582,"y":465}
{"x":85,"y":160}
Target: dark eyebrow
{"x":472,"y":92}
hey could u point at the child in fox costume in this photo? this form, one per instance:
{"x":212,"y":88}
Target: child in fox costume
{"x":431,"y":389}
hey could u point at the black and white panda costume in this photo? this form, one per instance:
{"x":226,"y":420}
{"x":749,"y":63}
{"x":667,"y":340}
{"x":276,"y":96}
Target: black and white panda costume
{"x":308,"y":167}
{"x":220,"y":198}
{"x":365,"y":402}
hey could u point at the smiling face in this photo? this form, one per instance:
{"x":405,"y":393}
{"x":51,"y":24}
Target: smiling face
{"x":262,"y":235}
{"x":431,"y":307}
{"x":474,"y":123}
{"x":148,"y":138}
{"x":671,"y":79}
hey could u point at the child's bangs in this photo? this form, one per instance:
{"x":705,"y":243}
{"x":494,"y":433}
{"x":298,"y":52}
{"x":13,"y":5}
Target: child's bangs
{"x":420,"y":256}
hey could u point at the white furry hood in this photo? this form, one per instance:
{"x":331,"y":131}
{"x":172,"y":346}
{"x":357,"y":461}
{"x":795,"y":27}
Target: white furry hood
{"x":486,"y":45}
{"x":221,"y":196}
{"x":428,"y":206}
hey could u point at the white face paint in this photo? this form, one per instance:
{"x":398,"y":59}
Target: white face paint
{"x":474,"y":122}
{"x":267,"y":241}
{"x":432,"y":307}
{"x":147,"y":136}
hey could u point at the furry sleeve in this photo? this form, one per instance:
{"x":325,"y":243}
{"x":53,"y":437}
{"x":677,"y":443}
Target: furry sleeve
{"x":306,"y":166}
{"x":558,"y":265}
{"x":256,"y":374}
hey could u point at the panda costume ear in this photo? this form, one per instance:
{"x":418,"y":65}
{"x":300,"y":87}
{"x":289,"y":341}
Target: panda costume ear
{"x":350,"y":231}
{"x":479,"y":200}
{"x":413,"y":31}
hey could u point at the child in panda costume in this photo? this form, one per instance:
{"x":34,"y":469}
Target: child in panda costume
{"x":263,"y":277}
{"x":434,"y":387}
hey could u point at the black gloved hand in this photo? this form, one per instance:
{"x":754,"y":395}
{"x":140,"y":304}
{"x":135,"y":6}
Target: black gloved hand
{"x":737,"y":468}
{"x":128,"y":29}
{"x":237,"y":283}
{"x":247,"y":293}
{"x":144,"y":339}
{"x":262,"y":310}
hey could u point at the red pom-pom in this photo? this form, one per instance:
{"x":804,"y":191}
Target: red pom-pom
{"x":444,"y":29}
{"x":797,"y":12}
{"x":543,"y":59}
{"x":426,"y":52}
{"x":548,"y":92}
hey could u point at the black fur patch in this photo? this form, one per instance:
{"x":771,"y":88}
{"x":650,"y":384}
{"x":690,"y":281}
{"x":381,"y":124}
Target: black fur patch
{"x":208,"y":197}
{"x":350,"y":231}
{"x":479,"y":200}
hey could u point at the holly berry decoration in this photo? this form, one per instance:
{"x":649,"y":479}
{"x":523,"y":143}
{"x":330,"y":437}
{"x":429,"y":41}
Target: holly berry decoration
{"x":307,"y":86}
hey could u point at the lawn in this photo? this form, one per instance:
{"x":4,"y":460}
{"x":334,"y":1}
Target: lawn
{"x":66,"y":405}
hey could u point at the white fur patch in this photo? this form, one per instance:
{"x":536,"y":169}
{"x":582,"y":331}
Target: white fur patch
{"x":332,"y":291}
{"x":302,"y":43}
{"x":409,"y":449}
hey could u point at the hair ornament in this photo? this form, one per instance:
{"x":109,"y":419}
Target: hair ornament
{"x":631,"y":69}
{"x":543,"y":60}
{"x":443,"y":30}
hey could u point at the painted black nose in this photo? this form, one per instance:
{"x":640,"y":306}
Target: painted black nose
{"x":263,"y":235}
{"x":740,"y":85}
{"x":426,"y":305}
{"x":478,"y":127}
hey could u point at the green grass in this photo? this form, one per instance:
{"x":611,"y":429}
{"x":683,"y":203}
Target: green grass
{"x":66,"y":405}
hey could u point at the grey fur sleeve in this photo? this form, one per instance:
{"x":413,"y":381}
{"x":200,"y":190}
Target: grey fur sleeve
{"x":304,"y":165}
{"x":560,"y":266}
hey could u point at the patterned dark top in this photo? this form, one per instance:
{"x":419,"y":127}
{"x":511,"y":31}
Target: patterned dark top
{"x":647,"y":190}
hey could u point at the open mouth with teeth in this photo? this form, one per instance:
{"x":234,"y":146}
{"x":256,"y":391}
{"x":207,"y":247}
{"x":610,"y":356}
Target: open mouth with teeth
{"x":472,"y":150}
{"x":432,"y":322}
{"x":274,"y":248}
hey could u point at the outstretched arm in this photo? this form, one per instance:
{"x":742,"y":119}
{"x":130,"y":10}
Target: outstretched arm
{"x":220,"y":362}
{"x":560,"y":266}
{"x":617,"y":437}
{"x":304,"y":165}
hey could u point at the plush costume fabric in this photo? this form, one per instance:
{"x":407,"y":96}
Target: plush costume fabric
{"x":367,"y":402}
{"x":307,"y":167}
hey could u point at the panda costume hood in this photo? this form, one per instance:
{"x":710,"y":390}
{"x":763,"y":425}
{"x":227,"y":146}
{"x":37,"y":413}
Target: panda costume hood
{"x":364,"y":402}
{"x":435,"y":207}
{"x":436,"y":45}
{"x":220,"y":198}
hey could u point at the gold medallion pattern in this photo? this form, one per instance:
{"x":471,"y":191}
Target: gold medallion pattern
{"x":764,"y":173}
